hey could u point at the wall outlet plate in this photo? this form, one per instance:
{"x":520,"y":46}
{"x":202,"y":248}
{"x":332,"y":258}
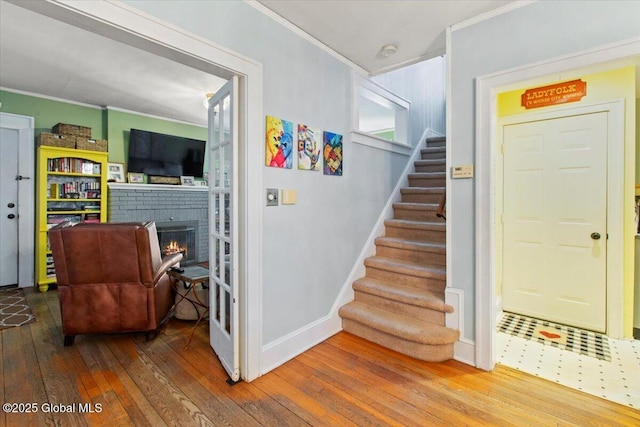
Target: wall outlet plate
{"x":272,"y":197}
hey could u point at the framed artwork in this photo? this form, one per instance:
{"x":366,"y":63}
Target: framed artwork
{"x":309,"y":148}
{"x":278,"y":143}
{"x":187,"y":180}
{"x":332,"y":153}
{"x":135,"y":178}
{"x":115,"y":172}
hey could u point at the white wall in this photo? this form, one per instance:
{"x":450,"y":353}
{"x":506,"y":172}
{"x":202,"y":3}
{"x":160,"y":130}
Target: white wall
{"x":309,"y":248}
{"x":533,"y":33}
{"x":422,"y":84}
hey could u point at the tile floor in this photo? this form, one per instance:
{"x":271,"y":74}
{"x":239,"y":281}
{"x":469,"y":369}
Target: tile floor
{"x":617,"y":380}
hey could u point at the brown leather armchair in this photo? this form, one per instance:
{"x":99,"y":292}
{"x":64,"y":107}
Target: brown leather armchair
{"x":111,"y":278}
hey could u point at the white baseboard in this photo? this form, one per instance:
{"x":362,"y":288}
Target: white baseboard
{"x":465,"y":351}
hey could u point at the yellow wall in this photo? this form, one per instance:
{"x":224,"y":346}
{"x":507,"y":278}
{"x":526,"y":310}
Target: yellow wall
{"x":603,"y":86}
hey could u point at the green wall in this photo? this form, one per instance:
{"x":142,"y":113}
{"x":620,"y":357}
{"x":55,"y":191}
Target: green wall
{"x":112,"y":125}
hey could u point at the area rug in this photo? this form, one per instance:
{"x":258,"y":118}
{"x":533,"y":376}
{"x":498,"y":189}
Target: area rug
{"x":14,"y":309}
{"x":564,"y":337}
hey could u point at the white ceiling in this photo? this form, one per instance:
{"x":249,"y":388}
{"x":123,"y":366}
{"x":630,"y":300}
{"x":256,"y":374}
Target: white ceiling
{"x":44,"y":56}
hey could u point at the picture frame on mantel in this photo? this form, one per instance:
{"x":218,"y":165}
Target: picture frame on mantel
{"x":135,"y":178}
{"x":115,"y":172}
{"x":187,"y":180}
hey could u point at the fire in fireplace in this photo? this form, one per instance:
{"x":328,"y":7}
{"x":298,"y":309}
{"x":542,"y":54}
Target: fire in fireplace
{"x":179,"y":237}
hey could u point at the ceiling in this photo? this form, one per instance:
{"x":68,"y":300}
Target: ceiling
{"x":45,"y":56}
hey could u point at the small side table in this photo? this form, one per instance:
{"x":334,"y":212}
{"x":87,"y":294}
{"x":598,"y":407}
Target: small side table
{"x":188,"y":278}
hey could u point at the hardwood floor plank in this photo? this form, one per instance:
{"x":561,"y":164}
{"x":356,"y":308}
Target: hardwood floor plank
{"x":263,"y":408}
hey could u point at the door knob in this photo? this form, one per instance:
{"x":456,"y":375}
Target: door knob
{"x":11,"y":216}
{"x":595,"y":236}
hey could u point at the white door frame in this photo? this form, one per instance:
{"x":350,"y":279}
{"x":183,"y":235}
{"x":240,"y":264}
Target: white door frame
{"x":615,"y":192}
{"x":26,"y":195}
{"x":124,"y":23}
{"x":487,"y":88}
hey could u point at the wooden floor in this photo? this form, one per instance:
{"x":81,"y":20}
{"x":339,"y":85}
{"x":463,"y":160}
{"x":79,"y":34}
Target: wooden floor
{"x":345,"y":381}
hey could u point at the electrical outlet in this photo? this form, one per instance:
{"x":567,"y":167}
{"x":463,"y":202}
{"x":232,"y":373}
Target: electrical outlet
{"x":272,"y":197}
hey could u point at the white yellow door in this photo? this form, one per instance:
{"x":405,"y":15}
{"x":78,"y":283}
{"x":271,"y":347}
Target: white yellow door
{"x":554,"y":220}
{"x":223,"y":227}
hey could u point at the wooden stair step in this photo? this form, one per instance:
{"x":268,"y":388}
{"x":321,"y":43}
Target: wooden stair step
{"x":412,"y":206}
{"x":417,"y":225}
{"x":409,"y":268}
{"x":399,"y":243}
{"x":404,"y":327}
{"x":404,"y":294}
{"x":433,"y":153}
{"x":436,"y":141}
{"x":428,"y":175}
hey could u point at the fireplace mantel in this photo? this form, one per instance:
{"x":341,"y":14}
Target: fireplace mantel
{"x":156,"y":187}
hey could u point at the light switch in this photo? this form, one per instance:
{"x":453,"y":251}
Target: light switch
{"x":272,"y":197}
{"x":289,"y":197}
{"x":462,"y":171}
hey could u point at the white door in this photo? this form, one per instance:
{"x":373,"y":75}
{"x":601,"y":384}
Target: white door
{"x":223,"y":226}
{"x":555,"y":206}
{"x":16,"y":200}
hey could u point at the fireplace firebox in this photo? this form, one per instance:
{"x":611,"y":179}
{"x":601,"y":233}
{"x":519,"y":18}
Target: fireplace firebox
{"x":179,"y":236}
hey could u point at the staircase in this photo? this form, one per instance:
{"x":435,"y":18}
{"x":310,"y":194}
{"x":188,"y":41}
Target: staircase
{"x":399,"y":304}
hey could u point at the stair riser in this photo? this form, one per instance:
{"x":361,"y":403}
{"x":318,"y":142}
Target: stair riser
{"x":437,"y":143}
{"x":421,"y":197}
{"x":427,"y":182}
{"x":411,"y":255}
{"x":420,"y":235}
{"x":429,"y":353}
{"x":429,"y":283}
{"x":422,"y":313}
{"x":430,"y":168}
{"x":431,"y":155}
{"x":416,"y":215}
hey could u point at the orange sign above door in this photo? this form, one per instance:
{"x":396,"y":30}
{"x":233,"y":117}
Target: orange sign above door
{"x":559,"y":93}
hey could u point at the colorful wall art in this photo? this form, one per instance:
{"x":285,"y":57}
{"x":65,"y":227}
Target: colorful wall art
{"x":309,"y":148}
{"x":332,"y":153}
{"x":279,"y":143}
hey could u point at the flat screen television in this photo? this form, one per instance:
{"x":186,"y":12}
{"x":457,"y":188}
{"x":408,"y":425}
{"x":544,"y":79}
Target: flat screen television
{"x":155,"y":153}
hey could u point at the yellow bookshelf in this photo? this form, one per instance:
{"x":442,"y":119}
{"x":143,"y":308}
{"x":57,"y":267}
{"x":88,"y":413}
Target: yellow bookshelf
{"x":71,"y":186}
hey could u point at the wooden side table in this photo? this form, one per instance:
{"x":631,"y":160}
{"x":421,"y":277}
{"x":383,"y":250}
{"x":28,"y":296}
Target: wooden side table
{"x":186,"y":280}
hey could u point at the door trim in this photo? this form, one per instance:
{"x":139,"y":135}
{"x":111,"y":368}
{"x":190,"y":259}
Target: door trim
{"x":486,"y":88}
{"x":26,"y":199}
{"x":615,"y":192}
{"x":124,"y":23}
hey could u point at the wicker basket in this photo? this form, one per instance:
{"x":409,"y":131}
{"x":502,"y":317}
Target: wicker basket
{"x":75,"y":130}
{"x":57,"y":140}
{"x":91,"y":144}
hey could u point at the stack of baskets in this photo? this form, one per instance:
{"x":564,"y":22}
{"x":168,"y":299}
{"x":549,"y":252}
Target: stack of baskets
{"x":72,"y":136}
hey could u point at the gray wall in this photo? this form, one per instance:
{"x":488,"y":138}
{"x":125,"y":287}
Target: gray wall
{"x":309,"y":248}
{"x":541,"y":30}
{"x":422,"y":84}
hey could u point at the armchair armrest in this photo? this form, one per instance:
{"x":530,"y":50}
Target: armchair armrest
{"x":168,"y":262}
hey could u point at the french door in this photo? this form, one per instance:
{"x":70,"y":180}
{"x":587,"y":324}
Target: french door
{"x":223,"y":226}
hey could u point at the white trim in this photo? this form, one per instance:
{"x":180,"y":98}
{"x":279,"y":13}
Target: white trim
{"x":304,"y":35}
{"x":24,"y":125}
{"x":465,"y":351}
{"x":427,"y":56}
{"x":485,"y":154}
{"x":615,"y":191}
{"x":153,"y":116}
{"x":491,"y":14}
{"x":372,"y":141}
{"x":121,"y":22}
{"x":50,"y":98}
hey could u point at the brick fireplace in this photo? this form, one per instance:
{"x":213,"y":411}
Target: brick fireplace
{"x":171,"y":207}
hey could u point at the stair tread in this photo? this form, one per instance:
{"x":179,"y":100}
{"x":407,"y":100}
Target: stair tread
{"x":436,"y":139}
{"x":416,"y":206}
{"x":428,"y":175}
{"x":399,"y":325}
{"x":434,"y":150}
{"x":419,"y":269}
{"x":429,"y":190}
{"x":408,"y":223}
{"x":415,"y":245}
{"x":402,"y":293}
